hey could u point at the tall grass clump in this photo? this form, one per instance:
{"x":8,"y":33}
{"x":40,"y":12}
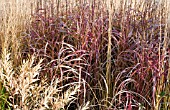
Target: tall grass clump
{"x":85,"y":54}
{"x":121,"y":50}
{"x":21,"y":85}
{"x":13,"y":17}
{"x":27,"y":91}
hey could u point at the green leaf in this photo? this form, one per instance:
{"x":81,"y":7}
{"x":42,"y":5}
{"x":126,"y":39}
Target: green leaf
{"x":162,"y":94}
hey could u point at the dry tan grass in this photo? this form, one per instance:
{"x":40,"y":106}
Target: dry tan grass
{"x":15,"y":15}
{"x":27,"y":91}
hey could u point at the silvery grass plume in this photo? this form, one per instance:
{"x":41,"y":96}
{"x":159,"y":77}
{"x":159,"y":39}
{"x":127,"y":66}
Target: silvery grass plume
{"x":19,"y":82}
{"x":27,"y":91}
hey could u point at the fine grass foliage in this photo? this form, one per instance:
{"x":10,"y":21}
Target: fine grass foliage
{"x":84,"y":54}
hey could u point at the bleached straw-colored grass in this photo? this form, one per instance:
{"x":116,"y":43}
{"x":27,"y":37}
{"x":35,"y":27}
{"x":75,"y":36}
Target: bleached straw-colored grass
{"x":14,"y":16}
{"x":27,"y":91}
